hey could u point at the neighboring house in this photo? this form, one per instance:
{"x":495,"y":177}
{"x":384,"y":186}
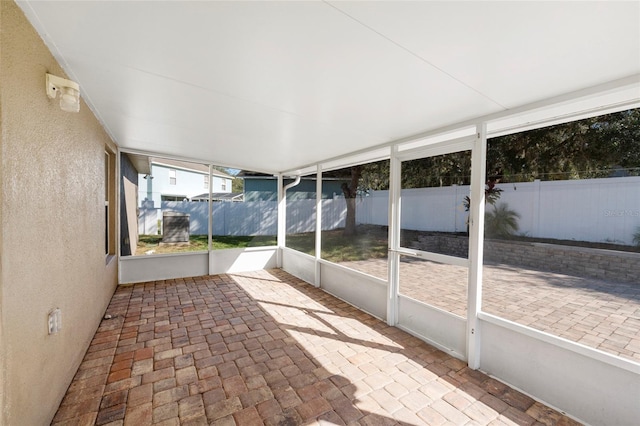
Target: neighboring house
{"x":263,"y":187}
{"x":177,"y":181}
{"x":219,"y":196}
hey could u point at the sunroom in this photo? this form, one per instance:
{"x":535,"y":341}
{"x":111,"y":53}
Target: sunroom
{"x":378,"y":136}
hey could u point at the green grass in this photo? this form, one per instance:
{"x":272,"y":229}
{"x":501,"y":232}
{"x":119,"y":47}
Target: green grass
{"x":200,"y":243}
{"x":370,"y":242}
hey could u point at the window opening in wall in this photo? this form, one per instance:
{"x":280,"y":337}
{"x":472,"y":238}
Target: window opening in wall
{"x":172,"y":177}
{"x":109,"y":202}
{"x":562,"y":238}
{"x":206,"y":181}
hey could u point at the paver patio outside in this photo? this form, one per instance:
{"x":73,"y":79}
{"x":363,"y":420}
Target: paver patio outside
{"x":266,"y":348}
{"x":600,"y":314}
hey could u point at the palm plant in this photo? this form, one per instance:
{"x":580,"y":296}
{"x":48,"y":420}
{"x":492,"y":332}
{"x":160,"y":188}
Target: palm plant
{"x":502,"y":222}
{"x":636,"y":237}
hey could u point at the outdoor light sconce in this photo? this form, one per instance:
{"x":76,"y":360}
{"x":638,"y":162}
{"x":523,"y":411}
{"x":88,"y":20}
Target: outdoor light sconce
{"x":69,"y":92}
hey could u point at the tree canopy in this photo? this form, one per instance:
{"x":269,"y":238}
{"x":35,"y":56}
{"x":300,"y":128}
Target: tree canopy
{"x":603,"y":146}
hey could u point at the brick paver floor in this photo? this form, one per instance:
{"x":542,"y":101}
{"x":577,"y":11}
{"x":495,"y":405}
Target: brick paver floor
{"x":604,"y":315}
{"x":265,"y":348}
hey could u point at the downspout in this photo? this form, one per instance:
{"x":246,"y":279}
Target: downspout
{"x":291,"y":185}
{"x":282,"y":215}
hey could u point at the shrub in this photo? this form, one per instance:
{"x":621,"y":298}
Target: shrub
{"x":502,"y":222}
{"x":636,"y":237}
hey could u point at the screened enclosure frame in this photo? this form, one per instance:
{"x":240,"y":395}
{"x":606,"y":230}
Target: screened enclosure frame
{"x":543,"y":365}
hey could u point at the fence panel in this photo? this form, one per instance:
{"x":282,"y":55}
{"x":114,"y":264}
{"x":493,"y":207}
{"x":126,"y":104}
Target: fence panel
{"x":301,"y":216}
{"x":373,"y":209}
{"x":422,"y":209}
{"x":148,"y":221}
{"x":597,"y":210}
{"x":198,"y":214}
{"x":334,"y":212}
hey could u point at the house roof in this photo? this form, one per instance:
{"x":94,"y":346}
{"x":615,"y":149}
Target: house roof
{"x":326,"y":176}
{"x":275,"y":86}
{"x":195,"y":167}
{"x":220,"y":196}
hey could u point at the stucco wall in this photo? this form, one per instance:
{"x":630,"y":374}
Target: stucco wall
{"x":52,"y":240}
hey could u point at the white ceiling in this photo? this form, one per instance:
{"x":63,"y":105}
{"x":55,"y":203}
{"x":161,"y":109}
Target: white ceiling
{"x":272,"y":86}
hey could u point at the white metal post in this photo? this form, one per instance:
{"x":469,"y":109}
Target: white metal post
{"x":394,"y":237}
{"x":476,"y":242}
{"x":282,"y":219}
{"x":318,"y":224}
{"x":119,"y":207}
{"x":210,"y":241}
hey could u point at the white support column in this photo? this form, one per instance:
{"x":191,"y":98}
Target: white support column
{"x":394,"y":237}
{"x":476,"y":243}
{"x":210,"y":243}
{"x":282,"y":218}
{"x":318,"y":224}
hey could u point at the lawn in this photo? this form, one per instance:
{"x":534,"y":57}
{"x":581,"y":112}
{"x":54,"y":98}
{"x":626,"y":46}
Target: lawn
{"x":151,"y":243}
{"x":370,"y":242}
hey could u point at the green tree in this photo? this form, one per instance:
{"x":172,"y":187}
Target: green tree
{"x":350,"y":192}
{"x":357,"y":182}
{"x":237,"y":184}
{"x":589,"y":148}
{"x":441,"y":170}
{"x":374,"y":176}
{"x":584,"y":149}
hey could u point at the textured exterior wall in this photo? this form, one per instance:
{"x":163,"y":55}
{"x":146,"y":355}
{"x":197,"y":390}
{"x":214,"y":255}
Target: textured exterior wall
{"x":52,"y":241}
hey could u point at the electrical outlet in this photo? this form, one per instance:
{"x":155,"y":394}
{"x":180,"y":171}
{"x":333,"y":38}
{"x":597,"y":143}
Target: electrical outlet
{"x":55,"y":321}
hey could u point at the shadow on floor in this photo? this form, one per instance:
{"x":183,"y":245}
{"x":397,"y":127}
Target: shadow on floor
{"x":266,"y":348}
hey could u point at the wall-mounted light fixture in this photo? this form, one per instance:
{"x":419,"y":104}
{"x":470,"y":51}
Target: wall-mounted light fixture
{"x":148,"y":177}
{"x":69,"y":92}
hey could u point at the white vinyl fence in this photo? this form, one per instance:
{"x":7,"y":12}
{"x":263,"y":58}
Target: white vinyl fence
{"x":247,"y":218}
{"x":599,"y":210}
